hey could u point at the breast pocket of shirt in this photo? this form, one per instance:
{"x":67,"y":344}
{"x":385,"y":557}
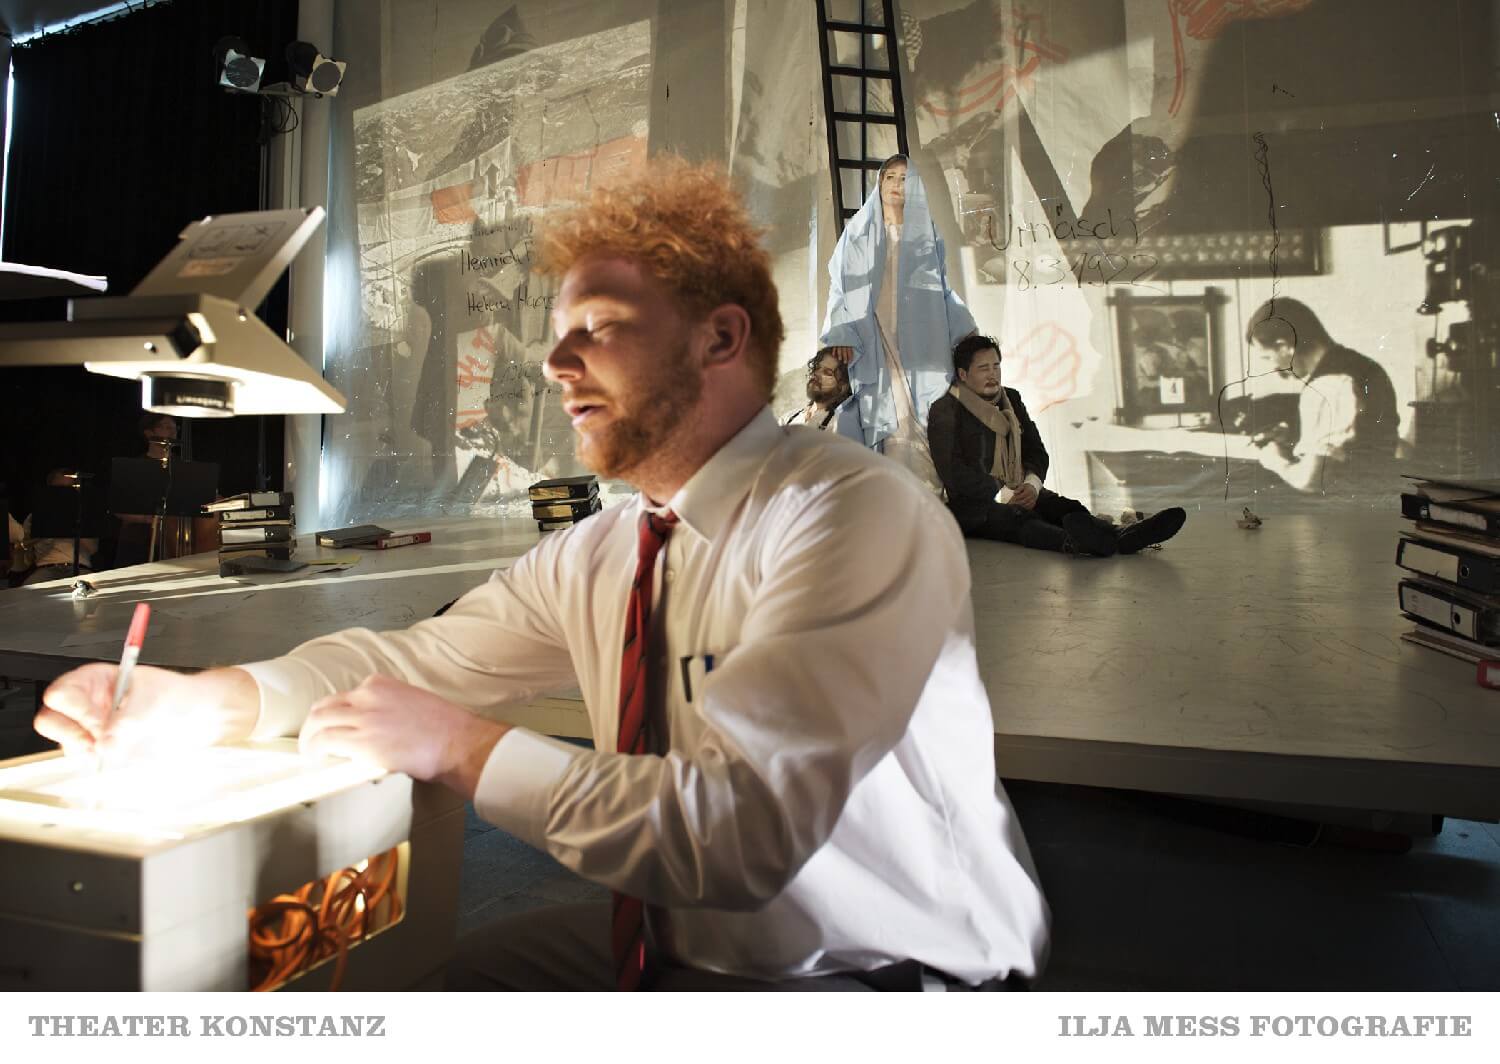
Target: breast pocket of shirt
{"x":693,"y":672}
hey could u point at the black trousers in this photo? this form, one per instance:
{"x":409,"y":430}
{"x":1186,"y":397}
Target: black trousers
{"x":1039,"y":528}
{"x":566,"y":947}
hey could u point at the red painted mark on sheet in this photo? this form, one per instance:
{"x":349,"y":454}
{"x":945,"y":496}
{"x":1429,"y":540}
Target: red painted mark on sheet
{"x":484,"y":340}
{"x":571,"y":177}
{"x":472,"y":371}
{"x":450,"y":205}
{"x":1045,"y":364}
{"x":1032,"y":46}
{"x":1203,"y":20}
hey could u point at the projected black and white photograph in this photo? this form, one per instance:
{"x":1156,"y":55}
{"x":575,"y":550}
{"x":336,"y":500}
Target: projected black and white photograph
{"x":451,"y":179}
{"x":1169,"y":346}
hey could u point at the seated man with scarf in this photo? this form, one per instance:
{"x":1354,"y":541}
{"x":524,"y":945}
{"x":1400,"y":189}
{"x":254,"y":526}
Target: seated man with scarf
{"x":983,"y":439}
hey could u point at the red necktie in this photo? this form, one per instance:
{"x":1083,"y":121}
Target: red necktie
{"x":628,"y":924}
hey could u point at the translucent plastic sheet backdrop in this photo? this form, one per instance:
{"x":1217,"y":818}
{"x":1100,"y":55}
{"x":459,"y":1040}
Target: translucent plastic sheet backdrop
{"x":459,"y":126}
{"x":1124,"y":190}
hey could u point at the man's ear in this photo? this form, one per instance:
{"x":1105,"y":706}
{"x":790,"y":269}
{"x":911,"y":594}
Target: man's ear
{"x":728,"y":328}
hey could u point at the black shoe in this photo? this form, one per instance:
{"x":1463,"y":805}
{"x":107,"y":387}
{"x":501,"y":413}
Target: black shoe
{"x":1088,"y":535}
{"x":1158,"y":528}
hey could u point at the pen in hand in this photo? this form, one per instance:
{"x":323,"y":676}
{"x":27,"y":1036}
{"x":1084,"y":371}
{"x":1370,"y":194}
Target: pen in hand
{"x":128,"y":658}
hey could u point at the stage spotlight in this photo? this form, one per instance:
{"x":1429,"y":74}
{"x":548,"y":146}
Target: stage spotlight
{"x":238,"y":70}
{"x":312,"y":71}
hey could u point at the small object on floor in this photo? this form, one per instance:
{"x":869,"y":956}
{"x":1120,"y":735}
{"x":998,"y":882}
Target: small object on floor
{"x":399,"y":539}
{"x":246,"y":566}
{"x":1489,"y":674}
{"x":353,"y":536}
{"x":82,"y":589}
{"x":564,"y":501}
{"x":340,"y":564}
{"x":1153,"y":531}
{"x":1250,"y":520}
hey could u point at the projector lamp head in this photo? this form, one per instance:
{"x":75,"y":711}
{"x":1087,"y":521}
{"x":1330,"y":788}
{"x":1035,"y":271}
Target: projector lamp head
{"x":188,"y":395}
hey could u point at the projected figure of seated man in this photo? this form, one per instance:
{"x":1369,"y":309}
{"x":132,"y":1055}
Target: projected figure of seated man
{"x":829,"y":400}
{"x":1347,"y":430}
{"x":983,"y":440}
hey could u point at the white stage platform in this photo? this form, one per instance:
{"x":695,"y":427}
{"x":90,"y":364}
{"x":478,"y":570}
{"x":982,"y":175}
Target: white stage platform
{"x":1254,"y":666}
{"x":1260,"y":665}
{"x":201,"y":620}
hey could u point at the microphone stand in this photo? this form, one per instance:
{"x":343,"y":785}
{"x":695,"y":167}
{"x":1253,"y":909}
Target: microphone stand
{"x":77,"y":479}
{"x":158,"y":519}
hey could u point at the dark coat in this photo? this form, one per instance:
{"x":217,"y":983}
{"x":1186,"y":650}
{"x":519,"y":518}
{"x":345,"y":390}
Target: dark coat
{"x":963,"y":449}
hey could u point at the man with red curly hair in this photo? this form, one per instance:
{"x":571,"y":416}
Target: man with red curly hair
{"x":792,"y":784}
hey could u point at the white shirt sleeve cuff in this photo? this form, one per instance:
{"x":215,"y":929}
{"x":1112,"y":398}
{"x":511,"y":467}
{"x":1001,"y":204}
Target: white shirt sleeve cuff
{"x":288,"y":688}
{"x":1035,"y":482}
{"x":515,"y":788}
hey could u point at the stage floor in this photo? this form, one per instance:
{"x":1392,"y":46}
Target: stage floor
{"x":1254,"y":666}
{"x":1260,"y":665}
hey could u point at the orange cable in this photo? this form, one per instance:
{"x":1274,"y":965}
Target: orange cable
{"x":322,"y":919}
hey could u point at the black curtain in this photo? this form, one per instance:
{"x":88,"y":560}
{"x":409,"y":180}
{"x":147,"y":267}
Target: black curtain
{"x":120,"y":137}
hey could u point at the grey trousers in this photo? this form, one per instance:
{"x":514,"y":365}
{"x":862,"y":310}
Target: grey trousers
{"x":566,"y":947}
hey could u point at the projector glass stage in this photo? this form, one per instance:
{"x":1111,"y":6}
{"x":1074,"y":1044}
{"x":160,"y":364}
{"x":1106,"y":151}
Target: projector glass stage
{"x":150,"y":800}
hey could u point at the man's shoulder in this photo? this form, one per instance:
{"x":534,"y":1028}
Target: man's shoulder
{"x":818,"y":473}
{"x":805,"y":460}
{"x":944,"y":403}
{"x":1347,"y":362}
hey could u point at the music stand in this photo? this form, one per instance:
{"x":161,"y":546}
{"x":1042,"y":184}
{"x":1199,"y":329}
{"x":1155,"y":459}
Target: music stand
{"x":150,"y":486}
{"x":58,"y":513}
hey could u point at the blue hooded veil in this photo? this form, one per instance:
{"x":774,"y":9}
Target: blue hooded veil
{"x":930,"y":317}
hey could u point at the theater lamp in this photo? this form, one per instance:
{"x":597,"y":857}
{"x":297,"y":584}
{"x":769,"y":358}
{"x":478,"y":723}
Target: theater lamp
{"x":238,"y":70}
{"x":188,"y":331}
{"x":312,"y":71}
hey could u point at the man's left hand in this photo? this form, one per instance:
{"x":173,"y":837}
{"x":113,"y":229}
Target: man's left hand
{"x":1024,"y":497}
{"x":404,"y":729}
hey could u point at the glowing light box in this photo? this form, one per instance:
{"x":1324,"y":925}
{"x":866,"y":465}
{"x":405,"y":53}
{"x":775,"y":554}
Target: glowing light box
{"x":141,"y":875}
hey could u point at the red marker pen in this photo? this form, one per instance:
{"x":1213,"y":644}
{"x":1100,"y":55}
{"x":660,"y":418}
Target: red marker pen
{"x":133,"y":641}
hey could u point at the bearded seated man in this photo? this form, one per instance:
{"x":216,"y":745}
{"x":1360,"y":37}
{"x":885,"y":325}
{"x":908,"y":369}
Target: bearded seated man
{"x":830,"y":403}
{"x":983,"y":439}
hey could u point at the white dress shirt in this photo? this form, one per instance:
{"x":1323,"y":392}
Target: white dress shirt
{"x":827,"y":800}
{"x":1327,"y":411}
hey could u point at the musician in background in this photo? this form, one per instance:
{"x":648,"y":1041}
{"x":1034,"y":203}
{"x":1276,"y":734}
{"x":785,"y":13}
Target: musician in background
{"x":159,"y":434}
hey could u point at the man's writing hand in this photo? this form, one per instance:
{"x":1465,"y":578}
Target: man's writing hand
{"x":164,"y":710}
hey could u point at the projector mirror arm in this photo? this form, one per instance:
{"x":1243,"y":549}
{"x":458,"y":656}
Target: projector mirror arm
{"x":73,"y":343}
{"x":186,"y":333}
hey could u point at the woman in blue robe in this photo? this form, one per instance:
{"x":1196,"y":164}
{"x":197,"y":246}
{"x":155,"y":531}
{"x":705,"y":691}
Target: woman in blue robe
{"x":893,"y":317}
